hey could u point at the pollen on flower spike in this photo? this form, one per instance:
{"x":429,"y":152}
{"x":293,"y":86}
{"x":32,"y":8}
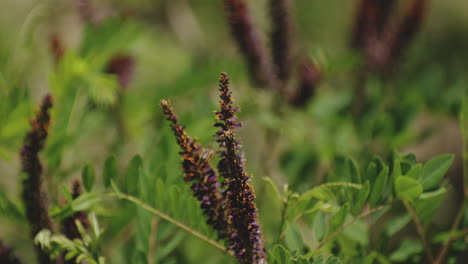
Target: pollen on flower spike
{"x":197,"y":169}
{"x":244,"y":232}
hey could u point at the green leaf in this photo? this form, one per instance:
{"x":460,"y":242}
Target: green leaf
{"x":85,"y":201}
{"x":354,"y":171}
{"x":358,"y":232}
{"x":407,"y":188}
{"x":361,"y":199}
{"x":428,"y":203}
{"x":132,"y":175}
{"x":280,"y":255}
{"x":406,"y":249}
{"x":396,"y":224}
{"x":374,"y":169}
{"x":9,"y":209}
{"x":293,"y":238}
{"x":339,"y":218}
{"x":415,"y":172}
{"x":378,"y":187}
{"x":434,"y":170}
{"x":271,"y":205}
{"x":110,"y":170}
{"x":320,"y":225}
{"x":87,"y":176}
{"x":302,"y":260}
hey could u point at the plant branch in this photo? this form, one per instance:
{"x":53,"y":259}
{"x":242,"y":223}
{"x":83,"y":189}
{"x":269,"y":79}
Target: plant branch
{"x":420,"y":230}
{"x":342,"y":228}
{"x":443,"y":252}
{"x":170,"y":219}
{"x":339,"y":184}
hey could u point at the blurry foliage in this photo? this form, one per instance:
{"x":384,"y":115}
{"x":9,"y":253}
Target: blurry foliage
{"x":331,"y":187}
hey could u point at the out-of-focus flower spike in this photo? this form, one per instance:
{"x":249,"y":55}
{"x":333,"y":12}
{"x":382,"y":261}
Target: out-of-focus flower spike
{"x":34,"y":198}
{"x":399,"y":36}
{"x":250,"y":43}
{"x":281,"y":38}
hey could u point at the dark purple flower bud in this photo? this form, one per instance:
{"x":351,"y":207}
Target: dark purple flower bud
{"x":244,"y":234}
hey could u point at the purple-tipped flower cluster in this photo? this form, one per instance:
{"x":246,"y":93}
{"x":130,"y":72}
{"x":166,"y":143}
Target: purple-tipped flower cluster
{"x":230,"y":206}
{"x":197,"y":170}
{"x":7,"y":256}
{"x":245,"y":236}
{"x":35,"y":200}
{"x":383,"y":41}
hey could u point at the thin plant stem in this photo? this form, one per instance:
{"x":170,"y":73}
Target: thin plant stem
{"x":443,"y":252}
{"x":153,"y":240}
{"x":342,"y":228}
{"x":170,"y":219}
{"x":283,"y":219}
{"x":339,"y":184}
{"x":420,"y":230}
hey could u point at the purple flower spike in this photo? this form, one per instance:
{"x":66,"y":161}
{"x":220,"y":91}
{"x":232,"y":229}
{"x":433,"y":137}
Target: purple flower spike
{"x":197,"y":169}
{"x":35,"y":200}
{"x":244,"y":232}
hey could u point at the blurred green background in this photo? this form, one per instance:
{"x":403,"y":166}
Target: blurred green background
{"x":179,"y":48}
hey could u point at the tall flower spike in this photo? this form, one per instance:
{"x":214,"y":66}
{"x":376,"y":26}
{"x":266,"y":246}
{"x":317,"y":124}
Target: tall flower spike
{"x":399,"y":37}
{"x":250,"y":42}
{"x":281,"y":37}
{"x":7,"y":256}
{"x":244,"y":232}
{"x":197,"y":169}
{"x":35,"y":200}
{"x":365,"y":23}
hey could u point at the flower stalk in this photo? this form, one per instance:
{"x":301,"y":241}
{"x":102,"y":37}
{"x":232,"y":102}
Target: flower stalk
{"x":250,"y":42}
{"x":244,"y":232}
{"x":34,"y":198}
{"x":198,"y":171}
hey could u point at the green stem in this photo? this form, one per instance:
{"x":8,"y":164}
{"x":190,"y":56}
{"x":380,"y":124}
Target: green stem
{"x":420,"y":230}
{"x":443,"y":252}
{"x":170,"y":219}
{"x":342,"y":228}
